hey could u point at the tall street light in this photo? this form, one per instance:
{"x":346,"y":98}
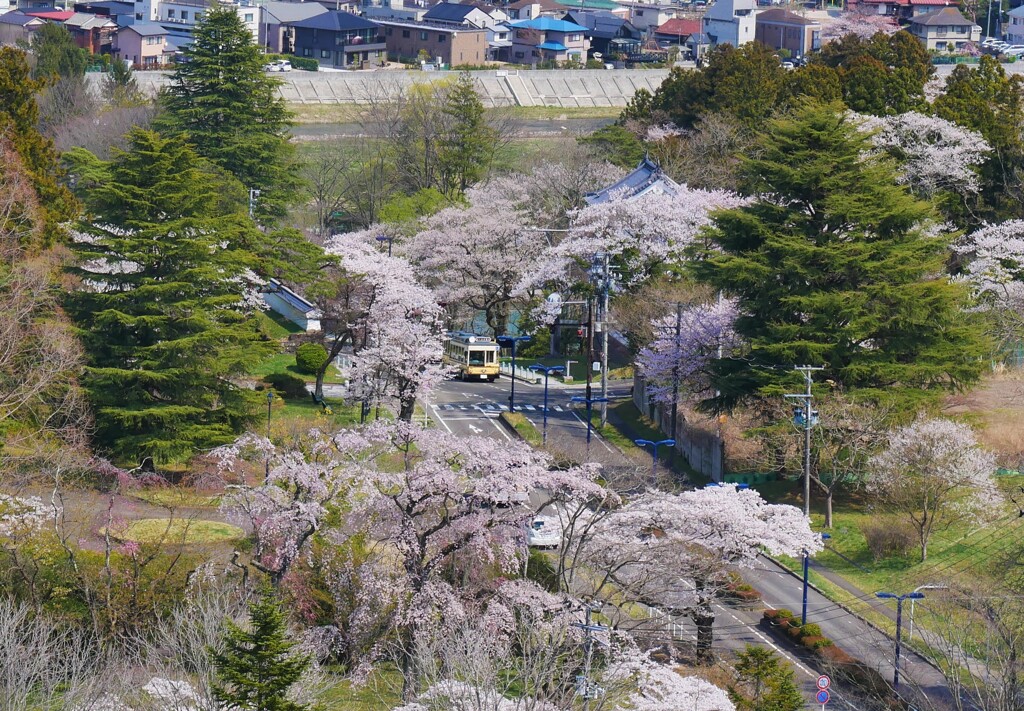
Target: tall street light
{"x":590,"y":410}
{"x":270,"y":401}
{"x":807,"y":565}
{"x":899,"y":625}
{"x":512,"y":342}
{"x":547,"y":370}
{"x":388,"y":239}
{"x":654,"y":454}
{"x":910,"y":634}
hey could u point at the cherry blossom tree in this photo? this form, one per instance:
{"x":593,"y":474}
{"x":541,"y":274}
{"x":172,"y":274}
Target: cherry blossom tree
{"x":934,"y":474}
{"x":935,"y":155}
{"x":672,"y":550}
{"x":450,"y":503}
{"x":862,"y":25}
{"x":474,"y":256}
{"x":390,"y":320}
{"x":640,"y":234}
{"x":995,"y":272}
{"x":685,"y":344}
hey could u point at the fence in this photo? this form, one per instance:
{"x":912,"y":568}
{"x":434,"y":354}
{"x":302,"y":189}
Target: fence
{"x":701,"y":447}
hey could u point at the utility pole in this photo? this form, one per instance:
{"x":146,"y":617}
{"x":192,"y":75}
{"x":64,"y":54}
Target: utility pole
{"x":675,"y":375}
{"x":584,"y":687}
{"x":253,"y":196}
{"x":808,"y":419}
{"x":606,"y":288}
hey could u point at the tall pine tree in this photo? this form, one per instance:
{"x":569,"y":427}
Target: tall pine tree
{"x":160,"y":310}
{"x":227,"y":106}
{"x":466,"y":150}
{"x":832,"y":267}
{"x":258,"y":666}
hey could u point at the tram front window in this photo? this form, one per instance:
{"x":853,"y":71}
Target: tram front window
{"x":476,"y":357}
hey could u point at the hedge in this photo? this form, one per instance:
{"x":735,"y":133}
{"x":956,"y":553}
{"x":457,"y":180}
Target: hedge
{"x":307,"y":63}
{"x":287,"y":386}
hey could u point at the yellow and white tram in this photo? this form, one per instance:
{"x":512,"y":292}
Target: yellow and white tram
{"x":475,"y":357}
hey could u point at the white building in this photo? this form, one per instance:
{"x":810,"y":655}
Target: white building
{"x":1015,"y":27}
{"x":730,"y":22}
{"x":186,"y":13}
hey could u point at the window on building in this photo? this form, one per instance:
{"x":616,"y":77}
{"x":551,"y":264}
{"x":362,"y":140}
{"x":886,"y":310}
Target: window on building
{"x":387,"y":31}
{"x":184,"y":14}
{"x":639,"y":13}
{"x":307,"y":52}
{"x":519,"y":55}
{"x":423,"y":36}
{"x":366,"y":56}
{"x":405,"y":34}
{"x":441,"y":38}
{"x":325,"y":54}
{"x":170,"y":13}
{"x":249,"y":17}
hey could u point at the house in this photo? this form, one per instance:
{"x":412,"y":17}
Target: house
{"x":683,"y":33}
{"x":781,"y":29}
{"x":92,"y":32}
{"x":646,"y":178}
{"x":499,"y":42}
{"x":339,"y":39}
{"x":275,"y":31}
{"x":730,"y":22}
{"x":18,"y":27}
{"x":902,"y":9}
{"x":453,"y":46}
{"x":122,"y":13}
{"x":293,"y":307}
{"x":647,"y":16}
{"x":450,"y":13}
{"x":413,"y":10}
{"x":547,"y":40}
{"x":143,"y":45}
{"x":608,"y":34}
{"x":532,"y":9}
{"x":944,"y":30}
{"x":184,"y":14}
{"x":50,"y":14}
{"x":1015,"y":26}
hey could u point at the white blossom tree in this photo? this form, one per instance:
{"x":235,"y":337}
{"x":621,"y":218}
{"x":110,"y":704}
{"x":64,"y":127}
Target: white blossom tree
{"x":934,"y":474}
{"x":995,"y":272}
{"x":672,"y":550}
{"x":935,"y":155}
{"x":392,"y":322}
{"x":677,"y":362}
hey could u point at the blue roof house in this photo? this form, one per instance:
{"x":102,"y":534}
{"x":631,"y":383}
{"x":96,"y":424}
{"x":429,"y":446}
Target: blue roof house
{"x":545,"y":39}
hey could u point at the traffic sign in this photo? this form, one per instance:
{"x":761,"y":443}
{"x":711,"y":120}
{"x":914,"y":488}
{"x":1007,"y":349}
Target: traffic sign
{"x":822,"y":697}
{"x":823,"y":682}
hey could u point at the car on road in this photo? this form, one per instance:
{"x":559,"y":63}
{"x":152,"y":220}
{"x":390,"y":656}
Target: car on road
{"x":280,"y":65}
{"x":1013,"y":50}
{"x":544,"y":532}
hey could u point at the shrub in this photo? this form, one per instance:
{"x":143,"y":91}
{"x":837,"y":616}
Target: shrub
{"x":815,"y":642}
{"x":287,"y":386}
{"x":771,"y":615}
{"x":793,"y":631}
{"x":810,"y":630}
{"x":835,"y":655}
{"x":310,"y":358}
{"x":784,"y":614}
{"x":887,"y":539}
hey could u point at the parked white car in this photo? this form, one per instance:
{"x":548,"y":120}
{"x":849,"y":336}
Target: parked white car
{"x":544,"y":532}
{"x":280,"y":65}
{"x":1013,"y":50}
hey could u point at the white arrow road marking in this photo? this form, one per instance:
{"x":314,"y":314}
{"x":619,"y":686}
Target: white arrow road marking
{"x":476,"y":430}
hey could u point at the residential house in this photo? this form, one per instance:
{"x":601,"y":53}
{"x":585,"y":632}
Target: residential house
{"x":647,"y":16}
{"x":50,"y":14}
{"x":92,"y":32}
{"x":730,"y":22}
{"x":684,"y":33}
{"x":532,"y":9}
{"x":184,"y":14}
{"x":17,"y":27}
{"x":944,"y":29}
{"x":413,"y":10}
{"x":1015,"y":26}
{"x":499,"y":42}
{"x":901,"y":9}
{"x":275,"y":30}
{"x":122,"y":13}
{"x":547,"y":40}
{"x":450,"y":13}
{"x":608,"y":34}
{"x":339,"y":39}
{"x":445,"y":44}
{"x":781,"y":29}
{"x":143,"y":45}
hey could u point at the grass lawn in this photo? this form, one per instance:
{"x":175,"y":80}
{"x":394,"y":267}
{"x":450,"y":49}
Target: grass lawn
{"x":176,"y":497}
{"x":523,"y":428}
{"x":285,"y":363}
{"x":275,"y":325}
{"x":626,"y":424}
{"x":381,"y":692}
{"x":176,"y":531}
{"x":305,"y":413}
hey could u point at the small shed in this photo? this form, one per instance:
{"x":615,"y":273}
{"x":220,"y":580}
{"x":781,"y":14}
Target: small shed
{"x":293,"y":307}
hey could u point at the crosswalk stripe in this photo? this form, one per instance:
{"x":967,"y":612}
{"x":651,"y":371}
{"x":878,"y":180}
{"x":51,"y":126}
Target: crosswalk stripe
{"x":557,"y":408}
{"x":531,"y":408}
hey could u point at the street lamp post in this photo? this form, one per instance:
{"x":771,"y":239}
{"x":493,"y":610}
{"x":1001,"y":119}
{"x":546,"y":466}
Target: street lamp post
{"x":547,"y":370}
{"x":807,"y":565}
{"x":590,"y":409}
{"x":654,"y":454}
{"x":270,"y":401}
{"x":899,"y":625}
{"x":512,"y":342}
{"x":386,"y":238}
{"x":919,"y":588}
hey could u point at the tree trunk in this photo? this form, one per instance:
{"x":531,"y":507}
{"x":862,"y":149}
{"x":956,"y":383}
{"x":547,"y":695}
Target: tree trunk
{"x":318,"y":390}
{"x":409,"y":670}
{"x":828,"y":509}
{"x":407,"y":409}
{"x":704,"y":618}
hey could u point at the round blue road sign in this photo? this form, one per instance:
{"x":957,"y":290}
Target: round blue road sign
{"x":822,"y":696}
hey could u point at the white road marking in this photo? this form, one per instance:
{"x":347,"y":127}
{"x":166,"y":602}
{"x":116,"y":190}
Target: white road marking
{"x":437,"y":416}
{"x":556,"y":408}
{"x":476,"y":430}
{"x":501,"y":429}
{"x":503,"y":408}
{"x":531,"y":408}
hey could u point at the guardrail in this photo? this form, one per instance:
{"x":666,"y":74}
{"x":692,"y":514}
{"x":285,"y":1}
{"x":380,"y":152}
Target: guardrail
{"x":520,"y":373}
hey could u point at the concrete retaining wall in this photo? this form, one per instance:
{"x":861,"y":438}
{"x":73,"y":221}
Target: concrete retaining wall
{"x":558,"y":88}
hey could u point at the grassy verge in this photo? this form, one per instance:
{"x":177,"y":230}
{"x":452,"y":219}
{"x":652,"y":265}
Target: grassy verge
{"x":285,"y":363}
{"x":176,"y":531}
{"x":381,"y":692}
{"x":304,"y":414}
{"x":523,"y":427}
{"x":176,"y":497}
{"x":626,"y":425}
{"x":617,"y":370}
{"x":275,"y":325}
